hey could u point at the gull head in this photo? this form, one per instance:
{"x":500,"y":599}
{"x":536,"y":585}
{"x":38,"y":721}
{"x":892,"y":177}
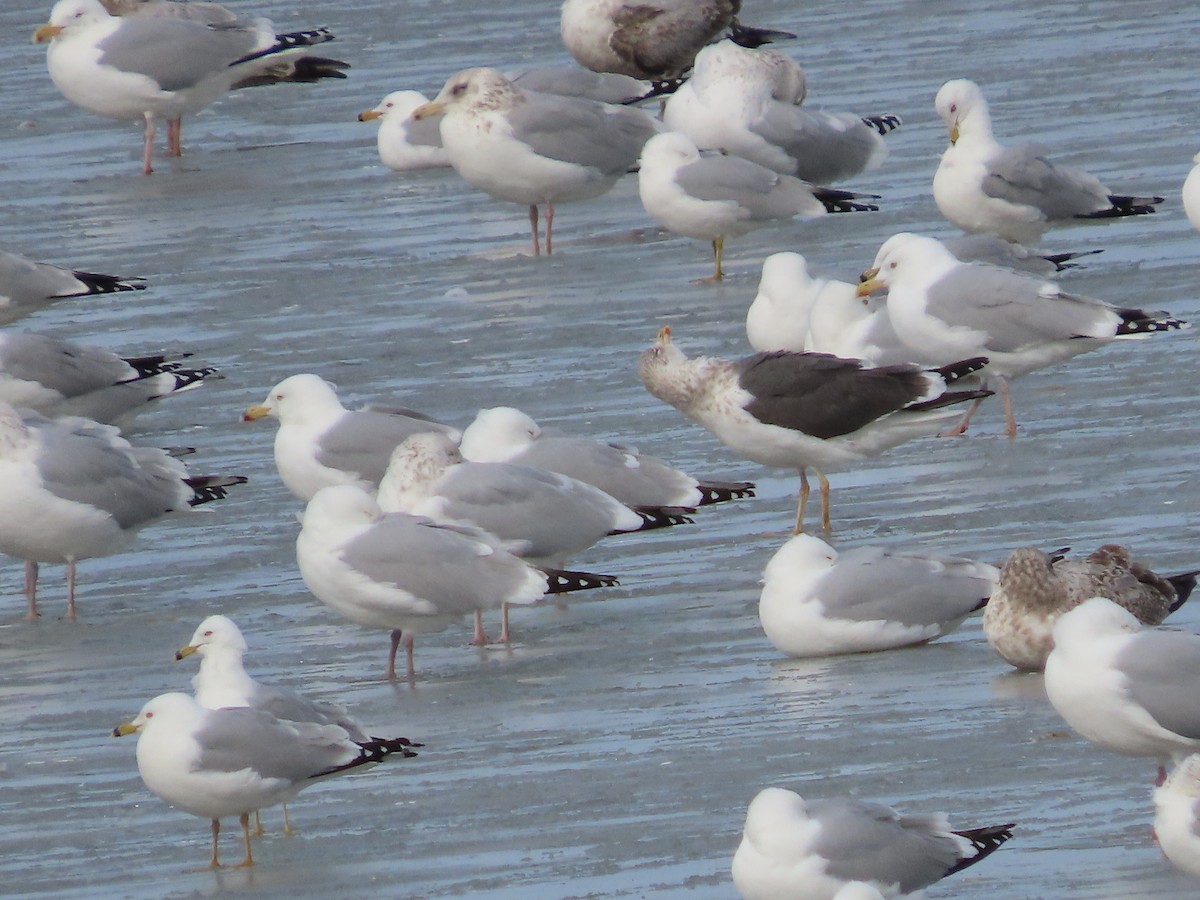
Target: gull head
{"x":904,"y":253}
{"x":396,"y":105}
{"x":296,"y":398}
{"x":68,"y":14}
{"x":164,"y":706}
{"x":668,"y":150}
{"x":215,"y":631}
{"x":472,"y":89}
{"x":498,"y":434}
{"x":955,"y":103}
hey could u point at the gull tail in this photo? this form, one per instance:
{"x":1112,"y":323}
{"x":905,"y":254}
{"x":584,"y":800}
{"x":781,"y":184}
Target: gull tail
{"x":1062,"y":261}
{"x":750,"y":36}
{"x":304,"y":70}
{"x":957,"y":371}
{"x":1142,"y":322}
{"x":721,"y":491}
{"x":663,"y":88}
{"x":207,"y":488}
{"x":836,"y":201}
{"x":884,"y":124}
{"x":373,"y":751}
{"x":290,"y":41}
{"x":985,"y":841}
{"x":1125,"y":206}
{"x":562,"y":581}
{"x":108,"y":284}
{"x":1184,"y":583}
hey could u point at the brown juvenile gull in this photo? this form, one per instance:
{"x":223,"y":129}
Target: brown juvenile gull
{"x":320,"y":442}
{"x":27,"y":286}
{"x":75,"y":489}
{"x":1036,"y":589}
{"x":798,"y":849}
{"x":805,"y":410}
{"x":1014,"y":192}
{"x":655,"y":40}
{"x":505,"y":434}
{"x":946,"y":309}
{"x":531,"y":148}
{"x":143,"y":67}
{"x":214,"y":763}
{"x":409,"y":575}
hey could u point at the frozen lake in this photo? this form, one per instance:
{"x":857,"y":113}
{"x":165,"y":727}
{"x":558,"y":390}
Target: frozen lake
{"x":611,"y":751}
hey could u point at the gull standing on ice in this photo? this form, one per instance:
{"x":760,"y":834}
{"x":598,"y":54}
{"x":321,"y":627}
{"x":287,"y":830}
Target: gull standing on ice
{"x":531,"y":148}
{"x":1014,"y":192}
{"x":797,"y":849}
{"x":802,"y":410}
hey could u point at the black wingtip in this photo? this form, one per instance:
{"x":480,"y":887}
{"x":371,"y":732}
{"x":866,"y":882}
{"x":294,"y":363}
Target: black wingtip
{"x":985,"y":841}
{"x":837,"y":201}
{"x":956,"y":371}
{"x":562,"y":581}
{"x":1125,"y":206}
{"x":1184,"y":583}
{"x":207,"y":488}
{"x":723,"y":491}
{"x":884,"y":124}
{"x":750,"y":36}
{"x":662,"y":517}
{"x":98,"y":283}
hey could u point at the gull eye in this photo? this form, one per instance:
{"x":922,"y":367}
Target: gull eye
{"x":953,"y":107}
{"x":208,"y":634}
{"x":149,"y":715}
{"x":457,"y":90}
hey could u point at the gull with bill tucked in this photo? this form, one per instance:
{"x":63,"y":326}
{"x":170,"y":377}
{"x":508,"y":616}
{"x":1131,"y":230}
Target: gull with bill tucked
{"x":805,"y":410}
{"x":143,"y":67}
{"x":214,"y":763}
{"x":798,"y":849}
{"x":320,"y":442}
{"x":405,"y":144}
{"x":534,"y":149}
{"x":1036,"y":589}
{"x":1014,"y":192}
{"x":505,"y":434}
{"x":1177,"y":816}
{"x":409,"y":575}
{"x":945,"y":309}
{"x":714,"y":197}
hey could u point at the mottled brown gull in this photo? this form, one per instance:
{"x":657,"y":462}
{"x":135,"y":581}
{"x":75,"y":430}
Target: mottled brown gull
{"x":805,"y":410}
{"x":1036,"y":589}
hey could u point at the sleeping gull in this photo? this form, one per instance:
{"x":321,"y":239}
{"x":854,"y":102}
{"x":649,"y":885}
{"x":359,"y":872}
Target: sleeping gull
{"x":1014,"y":192}
{"x":733,"y":103}
{"x":1191,"y":193}
{"x":715,"y":197}
{"x":802,"y":410}
{"x":27,"y":286}
{"x":504,"y":434}
{"x":818,"y":602}
{"x":294,"y":67}
{"x":56,"y":377}
{"x":797,"y":849}
{"x":142,"y":67}
{"x":945,"y":309}
{"x":214,"y":763}
{"x":531,"y":148}
{"x":1124,"y":687}
{"x":405,"y":144}
{"x":655,"y":40}
{"x":1036,"y":589}
{"x":320,"y":442}
{"x":223,"y":682}
{"x":409,"y":575}
{"x":76,"y":489}
{"x":1177,"y":816}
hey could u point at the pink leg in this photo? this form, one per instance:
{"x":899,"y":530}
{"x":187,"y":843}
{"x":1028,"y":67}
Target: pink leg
{"x":148,"y":150}
{"x":549,"y":229}
{"x":395,"y":645}
{"x":533,"y":224}
{"x":31,"y":574}
{"x":505,"y":634}
{"x":804,"y":491}
{"x":480,"y":639}
{"x":71,"y":590}
{"x":961,"y":427}
{"x":175,"y":137}
{"x":1010,"y":426}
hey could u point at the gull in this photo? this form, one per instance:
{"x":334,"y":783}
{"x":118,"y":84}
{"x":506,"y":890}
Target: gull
{"x":746,"y":103}
{"x":320,"y":442}
{"x":1014,"y":192}
{"x":505,"y":434}
{"x":1191,"y":193}
{"x":818,"y":602}
{"x":76,"y":489}
{"x":409,"y":575}
{"x":531,"y":148}
{"x":715,"y":197}
{"x":1177,"y":816}
{"x":805,"y":410}
{"x":27,"y":286}
{"x":1036,"y":589}
{"x":945,"y":309}
{"x":214,"y":763}
{"x":404,"y":143}
{"x":656,"y":40}
{"x":573,"y":81}
{"x":147,"y":66}
{"x":56,"y":377}
{"x":1125,"y":687}
{"x":797,"y":849}
{"x":223,"y":682}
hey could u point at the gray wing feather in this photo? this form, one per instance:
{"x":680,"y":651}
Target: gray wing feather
{"x":826,"y":147}
{"x":243,"y":738}
{"x":362,"y":441}
{"x":63,"y":366}
{"x":24,"y":281}
{"x":1163,"y":668}
{"x":176,"y":53}
{"x":651,"y":482}
{"x":762,"y":193}
{"x":584,"y":132}
{"x":1020,"y":174}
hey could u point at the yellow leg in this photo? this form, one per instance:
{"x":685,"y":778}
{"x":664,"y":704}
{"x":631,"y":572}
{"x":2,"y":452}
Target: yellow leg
{"x":824,"y":485}
{"x":259,"y":831}
{"x":215,"y":863}
{"x":244,"y":818}
{"x":718,"y":252}
{"x":533,"y":224}
{"x":287,"y":824}
{"x":804,"y":491}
